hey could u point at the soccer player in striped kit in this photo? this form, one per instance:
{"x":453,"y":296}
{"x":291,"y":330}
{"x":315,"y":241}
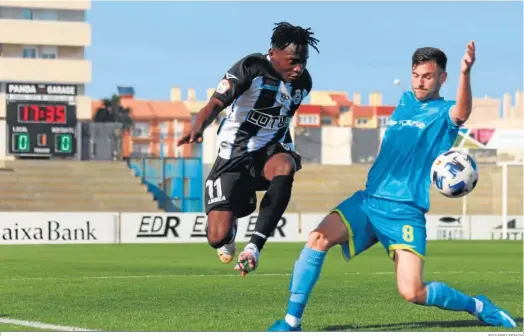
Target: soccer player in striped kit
{"x":260,"y":93}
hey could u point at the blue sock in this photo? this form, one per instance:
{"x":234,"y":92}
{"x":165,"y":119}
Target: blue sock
{"x":305,"y":275}
{"x":445,"y":297}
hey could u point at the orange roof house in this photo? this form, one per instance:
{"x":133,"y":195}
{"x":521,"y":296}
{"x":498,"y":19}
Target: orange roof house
{"x":316,"y":115}
{"x":348,"y":114}
{"x":157,"y":126}
{"x":150,"y":109}
{"x":385,"y":111}
{"x":341,"y":100}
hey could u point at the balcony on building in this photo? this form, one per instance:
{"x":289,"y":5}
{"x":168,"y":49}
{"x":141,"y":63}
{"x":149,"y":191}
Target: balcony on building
{"x":51,"y":64}
{"x":44,"y":27}
{"x":77,"y":5}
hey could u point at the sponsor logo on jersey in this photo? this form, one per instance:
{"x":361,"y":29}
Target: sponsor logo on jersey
{"x":230,"y":76}
{"x":268,"y":121}
{"x":407,"y":123}
{"x":297,"y":98}
{"x":283,"y":98}
{"x":269,"y":87}
{"x":223,"y":86}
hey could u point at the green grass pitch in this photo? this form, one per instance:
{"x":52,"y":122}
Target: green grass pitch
{"x":183,"y":287}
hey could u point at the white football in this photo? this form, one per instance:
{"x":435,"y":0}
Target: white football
{"x":454,"y":174}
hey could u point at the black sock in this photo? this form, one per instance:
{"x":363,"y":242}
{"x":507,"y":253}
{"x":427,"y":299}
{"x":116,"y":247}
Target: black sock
{"x":272,"y":207}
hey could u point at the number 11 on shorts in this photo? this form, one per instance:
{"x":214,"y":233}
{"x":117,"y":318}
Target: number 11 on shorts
{"x":211,"y":187}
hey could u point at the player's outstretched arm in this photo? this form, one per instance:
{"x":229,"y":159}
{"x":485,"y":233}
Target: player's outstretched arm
{"x":462,"y":110}
{"x":204,"y":118}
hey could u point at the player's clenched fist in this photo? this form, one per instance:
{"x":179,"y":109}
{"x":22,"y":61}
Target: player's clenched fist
{"x":468,"y":59}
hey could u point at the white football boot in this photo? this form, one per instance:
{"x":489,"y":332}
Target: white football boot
{"x":226,"y":253}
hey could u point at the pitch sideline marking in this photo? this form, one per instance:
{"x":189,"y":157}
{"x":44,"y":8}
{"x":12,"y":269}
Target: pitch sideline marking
{"x":40,"y":325}
{"x":145,"y":276}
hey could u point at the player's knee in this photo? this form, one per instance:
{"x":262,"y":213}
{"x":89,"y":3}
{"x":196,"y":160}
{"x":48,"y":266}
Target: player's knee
{"x":318,"y":241}
{"x":217,"y":240}
{"x":286,"y":168}
{"x":219,"y":233}
{"x":281,"y":165}
{"x":413,"y":293}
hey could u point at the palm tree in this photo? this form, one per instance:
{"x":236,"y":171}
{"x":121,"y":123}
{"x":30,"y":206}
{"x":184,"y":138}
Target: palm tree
{"x":112,"y":111}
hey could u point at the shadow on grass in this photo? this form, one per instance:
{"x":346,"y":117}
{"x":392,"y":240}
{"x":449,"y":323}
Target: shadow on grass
{"x":413,"y":326}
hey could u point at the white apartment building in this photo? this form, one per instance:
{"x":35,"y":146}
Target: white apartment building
{"x":45,"y":42}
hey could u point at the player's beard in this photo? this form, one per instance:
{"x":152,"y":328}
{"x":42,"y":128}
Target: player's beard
{"x":435,"y":92}
{"x":427,"y":94}
{"x":421,"y":95}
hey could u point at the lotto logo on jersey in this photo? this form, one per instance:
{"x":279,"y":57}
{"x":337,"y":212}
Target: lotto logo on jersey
{"x":267,"y":121}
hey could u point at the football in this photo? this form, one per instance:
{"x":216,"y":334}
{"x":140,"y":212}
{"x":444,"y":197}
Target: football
{"x":454,"y":174}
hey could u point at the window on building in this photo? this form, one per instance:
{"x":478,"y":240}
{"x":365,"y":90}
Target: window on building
{"x":30,"y":52}
{"x":48,"y":52}
{"x":162,"y":127}
{"x":362,"y":121}
{"x":40,"y":14}
{"x":383,"y":121}
{"x":27,"y":14}
{"x":48,"y":56}
{"x":308,"y":120}
{"x":140,"y":149}
{"x":178,"y":133}
{"x":326,"y":121}
{"x":140,"y":130}
{"x":46,"y":15}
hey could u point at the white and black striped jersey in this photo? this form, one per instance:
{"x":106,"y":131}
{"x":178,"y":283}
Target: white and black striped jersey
{"x":260,"y":106}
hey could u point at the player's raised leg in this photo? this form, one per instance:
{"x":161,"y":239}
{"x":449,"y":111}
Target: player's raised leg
{"x":409,"y":269}
{"x":228,"y":197}
{"x":348,"y":226}
{"x":279,"y":170}
{"x":221,"y":233}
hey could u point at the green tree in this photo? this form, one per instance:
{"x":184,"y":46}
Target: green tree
{"x":112,"y":111}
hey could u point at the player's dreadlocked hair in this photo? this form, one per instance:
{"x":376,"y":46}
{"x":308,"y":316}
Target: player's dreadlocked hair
{"x":285,"y":34}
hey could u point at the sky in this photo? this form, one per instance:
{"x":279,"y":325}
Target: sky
{"x":364,"y":46}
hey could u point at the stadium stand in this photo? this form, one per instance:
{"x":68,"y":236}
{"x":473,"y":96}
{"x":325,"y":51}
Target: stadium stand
{"x":175,"y":183}
{"x":42,"y":185}
{"x":318,"y":188}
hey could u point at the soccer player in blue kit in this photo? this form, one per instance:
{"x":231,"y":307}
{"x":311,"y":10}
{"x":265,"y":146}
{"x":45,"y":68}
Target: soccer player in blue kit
{"x":391,"y":210}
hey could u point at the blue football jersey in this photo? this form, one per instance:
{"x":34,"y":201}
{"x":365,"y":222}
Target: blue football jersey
{"x":416,"y":134}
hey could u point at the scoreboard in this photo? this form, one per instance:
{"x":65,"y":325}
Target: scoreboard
{"x":41,"y":119}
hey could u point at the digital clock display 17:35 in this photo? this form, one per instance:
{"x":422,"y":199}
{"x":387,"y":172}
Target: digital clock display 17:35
{"x":42,"y":113}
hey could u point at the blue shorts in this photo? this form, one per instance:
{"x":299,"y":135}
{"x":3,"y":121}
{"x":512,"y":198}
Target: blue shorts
{"x":397,"y":226}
